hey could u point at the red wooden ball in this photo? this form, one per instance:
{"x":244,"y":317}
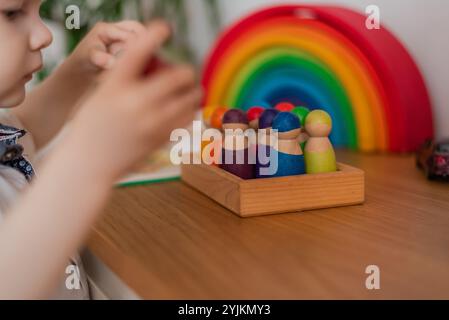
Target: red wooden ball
{"x":284,"y":107}
{"x":254,"y":113}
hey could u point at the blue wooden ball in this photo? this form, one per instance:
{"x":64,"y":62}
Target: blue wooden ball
{"x":286,"y":121}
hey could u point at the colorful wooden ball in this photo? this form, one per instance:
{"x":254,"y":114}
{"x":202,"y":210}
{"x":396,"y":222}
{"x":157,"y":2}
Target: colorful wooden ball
{"x":216,"y":120}
{"x":253,"y":116}
{"x":267,"y":117}
{"x":286,"y":121}
{"x":284,"y":107}
{"x":301,"y":113}
{"x":235,"y":116}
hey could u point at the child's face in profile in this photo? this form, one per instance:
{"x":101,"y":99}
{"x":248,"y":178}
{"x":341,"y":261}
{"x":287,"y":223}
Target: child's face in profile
{"x":22,"y":37}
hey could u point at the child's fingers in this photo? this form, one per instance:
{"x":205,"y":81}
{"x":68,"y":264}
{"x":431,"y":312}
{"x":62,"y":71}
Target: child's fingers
{"x":111,"y":44}
{"x":170,"y":82}
{"x":111,"y":33}
{"x":140,"y":50}
{"x":183,"y":107}
{"x":101,"y":59}
{"x":131,"y":26}
{"x":134,"y":28}
{"x":117,"y":49}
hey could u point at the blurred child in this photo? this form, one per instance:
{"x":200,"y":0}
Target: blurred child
{"x":115,"y":122}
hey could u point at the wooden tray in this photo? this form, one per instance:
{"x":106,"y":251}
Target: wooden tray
{"x":249,"y":198}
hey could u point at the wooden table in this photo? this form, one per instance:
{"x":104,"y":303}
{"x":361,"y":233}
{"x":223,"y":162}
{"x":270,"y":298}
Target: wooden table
{"x":167,"y":241}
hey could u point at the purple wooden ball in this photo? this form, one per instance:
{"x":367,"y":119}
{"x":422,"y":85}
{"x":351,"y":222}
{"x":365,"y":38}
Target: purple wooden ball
{"x":267,"y":117}
{"x":235,"y":116}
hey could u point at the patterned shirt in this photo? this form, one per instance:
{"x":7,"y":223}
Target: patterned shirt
{"x":11,"y":153}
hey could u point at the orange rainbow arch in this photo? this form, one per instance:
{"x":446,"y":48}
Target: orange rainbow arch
{"x":325,"y":58}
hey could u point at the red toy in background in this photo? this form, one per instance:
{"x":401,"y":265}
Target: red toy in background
{"x":433,"y":158}
{"x":156,"y":64}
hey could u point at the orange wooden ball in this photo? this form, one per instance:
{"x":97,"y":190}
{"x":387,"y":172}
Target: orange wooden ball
{"x":216,"y":120}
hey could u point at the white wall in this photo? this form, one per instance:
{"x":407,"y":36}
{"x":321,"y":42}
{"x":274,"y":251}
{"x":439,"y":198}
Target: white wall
{"x":421,"y":24}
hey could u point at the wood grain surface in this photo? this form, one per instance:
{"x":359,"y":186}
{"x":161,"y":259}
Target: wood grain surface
{"x":168,"y":241}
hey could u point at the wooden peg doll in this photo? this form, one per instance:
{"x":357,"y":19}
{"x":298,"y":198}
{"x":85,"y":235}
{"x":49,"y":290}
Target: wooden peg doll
{"x":301,"y":113}
{"x":235,"y":154}
{"x":212,"y":118}
{"x":254,"y":114}
{"x":264,"y":148}
{"x":288,"y":152}
{"x":253,"y":117}
{"x":266,"y":123}
{"x":319,"y":153}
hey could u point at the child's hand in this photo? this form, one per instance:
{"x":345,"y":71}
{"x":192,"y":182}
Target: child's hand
{"x":131,"y":114}
{"x":103,"y":45}
{"x":60,"y":94}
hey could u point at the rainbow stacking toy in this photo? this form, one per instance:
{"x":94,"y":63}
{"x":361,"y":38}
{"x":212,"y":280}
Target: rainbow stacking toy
{"x":324,"y":57}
